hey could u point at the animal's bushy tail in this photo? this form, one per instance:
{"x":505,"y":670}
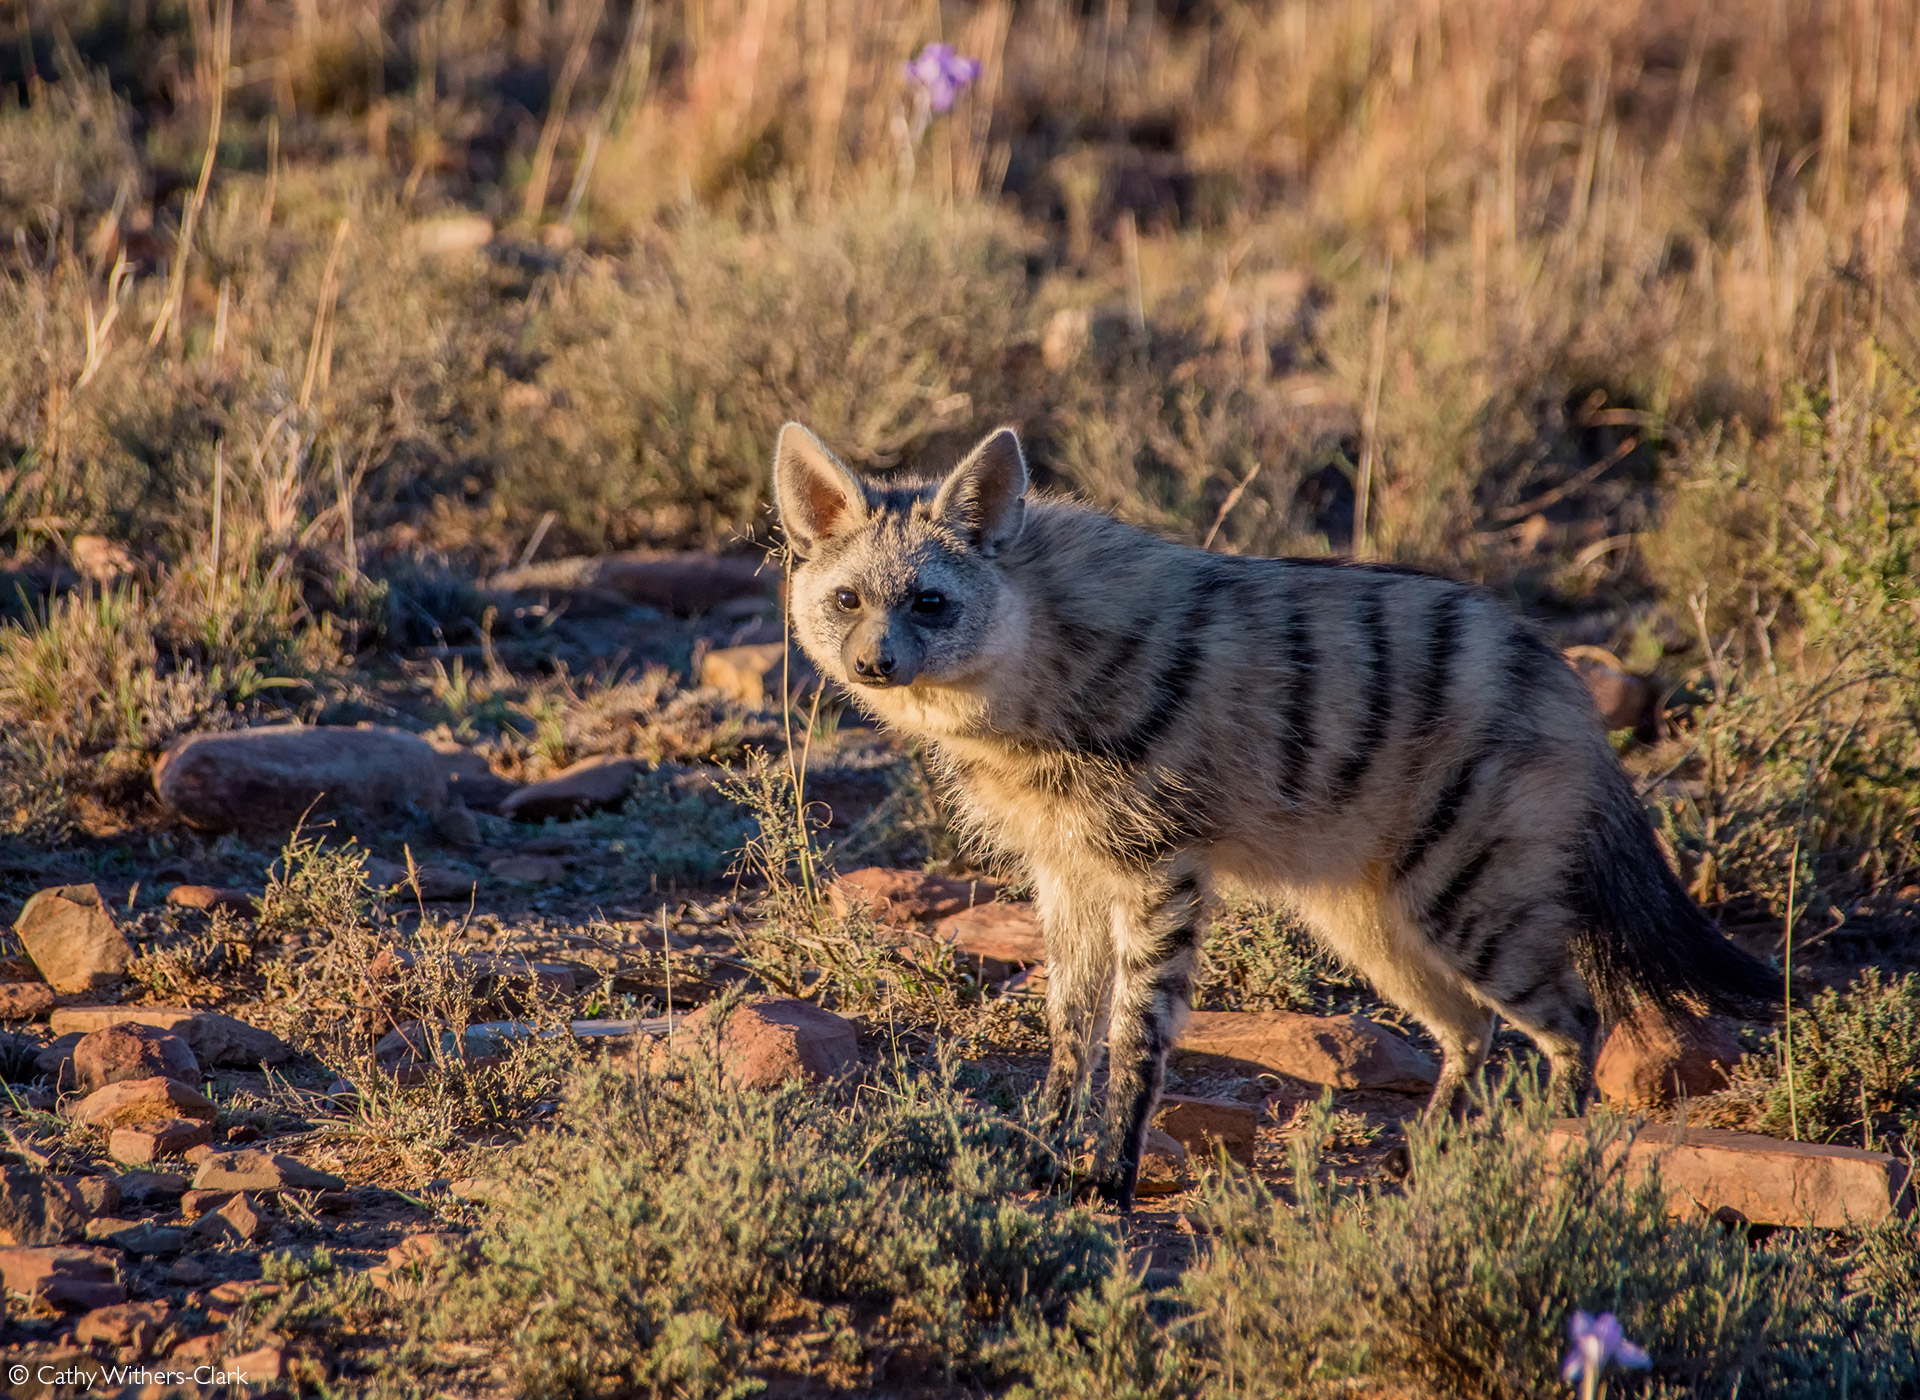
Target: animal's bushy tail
{"x":1644,"y":939}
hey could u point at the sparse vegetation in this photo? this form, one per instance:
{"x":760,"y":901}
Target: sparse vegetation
{"x":310,"y":332}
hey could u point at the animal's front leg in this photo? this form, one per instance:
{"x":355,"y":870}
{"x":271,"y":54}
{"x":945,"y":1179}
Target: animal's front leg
{"x":1078,"y":922}
{"x":1156,"y":942}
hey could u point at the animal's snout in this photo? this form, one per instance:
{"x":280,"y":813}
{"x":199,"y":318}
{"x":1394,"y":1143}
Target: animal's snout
{"x":875,"y":665}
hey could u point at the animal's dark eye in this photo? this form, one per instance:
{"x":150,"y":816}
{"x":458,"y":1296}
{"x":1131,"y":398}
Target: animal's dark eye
{"x":929,"y":600}
{"x":848,"y":600}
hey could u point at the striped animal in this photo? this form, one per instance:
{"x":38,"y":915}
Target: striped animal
{"x":1393,"y":755}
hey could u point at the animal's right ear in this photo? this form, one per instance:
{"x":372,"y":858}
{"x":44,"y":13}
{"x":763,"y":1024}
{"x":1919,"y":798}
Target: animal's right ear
{"x":817,"y":495}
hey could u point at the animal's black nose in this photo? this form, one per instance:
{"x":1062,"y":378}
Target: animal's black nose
{"x":875,"y":667}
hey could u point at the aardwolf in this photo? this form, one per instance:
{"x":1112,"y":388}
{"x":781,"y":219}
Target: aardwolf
{"x":1391,"y":754}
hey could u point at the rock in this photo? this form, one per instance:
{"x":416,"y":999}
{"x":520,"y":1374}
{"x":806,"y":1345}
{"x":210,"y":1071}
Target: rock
{"x":237,"y":1222}
{"x":25,"y":1001}
{"x":452,"y":236}
{"x":136,"y":1325}
{"x":70,"y":1277}
{"x":198,"y":1203}
{"x":213,"y":897}
{"x":414,"y":1258}
{"x":1761,"y":1180}
{"x":752,"y":675}
{"x":189,"y":1271}
{"x":150,"y":1142}
{"x":268,"y":1363}
{"x":98,"y":558}
{"x":591,"y":785}
{"x":769,"y":1041}
{"x":1163,"y":1166}
{"x":1202,"y":1124}
{"x":72,"y":938}
{"x":471,"y":784}
{"x":132,"y":1051}
{"x":55,"y":1062}
{"x":98,"y":1195}
{"x":257,"y":1169}
{"x":1341,"y":1052}
{"x":141,"y":1238}
{"x":1648,"y":1062}
{"x":431,"y":881}
{"x":134,"y":1101}
{"x":214,"y":1039}
{"x":906,"y":896}
{"x":457,"y":825}
{"x":37,"y":1209}
{"x":997,"y":940}
{"x":529,"y":870}
{"x":686,"y":582}
{"x":1623,"y":699}
{"x":151,"y":1188}
{"x":265,"y":779}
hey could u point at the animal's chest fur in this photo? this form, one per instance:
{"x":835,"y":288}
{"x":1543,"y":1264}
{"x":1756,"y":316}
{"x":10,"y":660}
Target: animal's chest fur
{"x":1044,"y":804}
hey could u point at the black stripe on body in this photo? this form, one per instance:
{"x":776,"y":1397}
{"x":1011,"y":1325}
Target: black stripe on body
{"x":1379,"y":702}
{"x":1443,"y":644}
{"x":1441,"y":819}
{"x":1443,"y":910}
{"x":1173,"y":687}
{"x":1303,"y":663}
{"x":1480,"y":965}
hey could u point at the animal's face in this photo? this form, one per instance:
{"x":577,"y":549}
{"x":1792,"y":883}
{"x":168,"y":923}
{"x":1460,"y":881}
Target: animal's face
{"x":898,"y":585}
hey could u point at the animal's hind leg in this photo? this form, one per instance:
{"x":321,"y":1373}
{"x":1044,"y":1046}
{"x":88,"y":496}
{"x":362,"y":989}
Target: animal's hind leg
{"x":1376,"y":942}
{"x":1556,"y":1011}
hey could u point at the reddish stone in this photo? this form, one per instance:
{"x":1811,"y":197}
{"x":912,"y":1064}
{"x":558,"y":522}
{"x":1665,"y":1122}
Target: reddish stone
{"x":136,"y":1325}
{"x":256,"y":1169}
{"x":1648,"y":1062}
{"x":214,"y":1039}
{"x":73,"y":1278}
{"x":149,"y":1142}
{"x":999,"y":940}
{"x":684,"y":582}
{"x":1622,"y":700}
{"x":1163,"y":1166}
{"x":1762,"y":1180}
{"x":116,"y":1053}
{"x":268,"y":777}
{"x":211,"y":897}
{"x":1202,"y":1124}
{"x":135,"y":1101}
{"x":38,"y":1209}
{"x":25,"y":1001}
{"x":238,"y":1222}
{"x":753,"y":675}
{"x":767,"y":1042}
{"x":72,"y":938}
{"x":591,"y":785}
{"x":1342,"y":1052}
{"x":906,"y":896}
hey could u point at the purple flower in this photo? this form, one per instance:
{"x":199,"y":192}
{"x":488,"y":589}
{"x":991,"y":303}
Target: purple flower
{"x":1598,"y":1342}
{"x":941,"y":74}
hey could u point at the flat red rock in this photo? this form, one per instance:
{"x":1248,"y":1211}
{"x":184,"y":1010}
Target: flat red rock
{"x":1761,"y":1180}
{"x":1341,"y":1052}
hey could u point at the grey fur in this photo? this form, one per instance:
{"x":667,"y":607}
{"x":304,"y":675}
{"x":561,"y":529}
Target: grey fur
{"x":1391,"y":754}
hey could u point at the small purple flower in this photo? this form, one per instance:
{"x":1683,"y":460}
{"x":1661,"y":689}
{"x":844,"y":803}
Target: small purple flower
{"x":1597,"y":1343}
{"x":941,"y":74}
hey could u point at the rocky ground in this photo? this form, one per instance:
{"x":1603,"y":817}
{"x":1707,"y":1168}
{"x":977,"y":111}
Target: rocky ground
{"x":290,"y":1023}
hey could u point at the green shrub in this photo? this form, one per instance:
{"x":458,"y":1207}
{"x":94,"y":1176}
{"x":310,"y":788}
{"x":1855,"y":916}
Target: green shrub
{"x":679,"y":1235}
{"x":1855,"y":1069}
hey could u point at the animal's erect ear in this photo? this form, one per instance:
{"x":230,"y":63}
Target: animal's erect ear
{"x":816,"y":494}
{"x":985,"y":496}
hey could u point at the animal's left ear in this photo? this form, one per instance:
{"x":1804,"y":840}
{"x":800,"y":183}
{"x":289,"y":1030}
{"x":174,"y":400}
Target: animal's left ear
{"x":984,"y":498}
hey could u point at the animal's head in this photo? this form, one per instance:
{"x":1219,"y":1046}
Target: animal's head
{"x":898,"y":583}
